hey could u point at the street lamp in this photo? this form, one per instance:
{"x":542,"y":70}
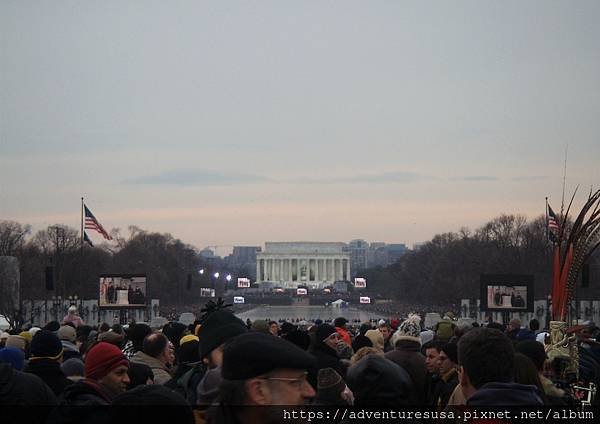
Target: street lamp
{"x":201,"y":271}
{"x":228,"y":278}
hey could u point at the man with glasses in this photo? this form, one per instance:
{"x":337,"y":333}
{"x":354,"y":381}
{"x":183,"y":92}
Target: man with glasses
{"x":261,"y":370}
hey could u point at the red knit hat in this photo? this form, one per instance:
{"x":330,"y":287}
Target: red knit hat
{"x":102,"y":359}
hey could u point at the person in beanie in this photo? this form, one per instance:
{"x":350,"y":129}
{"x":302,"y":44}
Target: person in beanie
{"x":73,"y":369}
{"x":261,"y":370}
{"x":72,"y":317}
{"x":324,"y":349}
{"x":13,"y":356}
{"x":105,"y":378}
{"x":137,"y":334}
{"x":45,"y":360}
{"x":219,"y":327}
{"x":68,"y":335}
{"x":332,"y":389}
{"x":407,"y":354}
{"x":448,"y":375}
{"x":155,"y":353}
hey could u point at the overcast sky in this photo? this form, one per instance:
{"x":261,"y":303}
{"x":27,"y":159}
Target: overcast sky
{"x":232,"y":123}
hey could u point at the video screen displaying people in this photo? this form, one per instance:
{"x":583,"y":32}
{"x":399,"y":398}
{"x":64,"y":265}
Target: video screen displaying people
{"x":122,"y":290}
{"x":507,"y":297}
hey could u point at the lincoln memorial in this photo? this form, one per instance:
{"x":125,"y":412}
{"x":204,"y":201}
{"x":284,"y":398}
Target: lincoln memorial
{"x":313,"y":264}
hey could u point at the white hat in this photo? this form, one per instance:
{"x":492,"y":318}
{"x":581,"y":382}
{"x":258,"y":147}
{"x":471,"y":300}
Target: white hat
{"x":72,"y":308}
{"x":34,"y":330}
{"x":4,"y":335}
{"x":381,"y":322}
{"x":541,"y":337}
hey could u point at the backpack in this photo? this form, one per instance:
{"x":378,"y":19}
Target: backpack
{"x":444,"y":330}
{"x":187,"y":384}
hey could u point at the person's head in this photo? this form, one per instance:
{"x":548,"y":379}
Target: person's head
{"x":330,"y":387}
{"x":157,"y":345}
{"x":72,"y":310}
{"x":534,"y":325}
{"x":376,"y":338}
{"x":137,"y":334}
{"x":73,"y":368}
{"x":273,"y":328}
{"x":269,"y":370}
{"x":67,"y":333}
{"x":514,"y":324}
{"x":534,"y":351}
{"x":525,"y":372}
{"x":218,"y":328}
{"x":106,"y":364}
{"x":46,"y":345}
{"x":139,"y":405}
{"x":432,"y":350}
{"x":340,"y":322}
{"x":327,"y":335}
{"x":139,"y":375}
{"x":13,"y":356}
{"x":485,"y":356}
{"x":447,"y":358}
{"x":377,"y":381}
{"x":408,"y":331}
{"x":386,"y":331}
{"x":364,"y":352}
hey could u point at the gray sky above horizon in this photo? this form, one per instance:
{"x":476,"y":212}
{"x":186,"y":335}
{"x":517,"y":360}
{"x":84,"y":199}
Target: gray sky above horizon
{"x":237,"y":122}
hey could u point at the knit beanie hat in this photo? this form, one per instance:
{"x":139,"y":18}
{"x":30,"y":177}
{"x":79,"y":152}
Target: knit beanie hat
{"x":188,"y":338}
{"x":68,"y":333}
{"x":376,"y":338}
{"x":219,"y":327}
{"x":111,"y":337}
{"x":34,"y":330}
{"x":13,"y":356}
{"x":15,"y":341}
{"x":324,"y":331}
{"x":330,"y":384}
{"x":26,"y":335}
{"x":102,"y":359}
{"x":174,"y":332}
{"x":52,"y":326}
{"x":408,"y":330}
{"x":73,"y":367}
{"x":189,"y":352}
{"x":45,"y":344}
{"x":451,"y":352}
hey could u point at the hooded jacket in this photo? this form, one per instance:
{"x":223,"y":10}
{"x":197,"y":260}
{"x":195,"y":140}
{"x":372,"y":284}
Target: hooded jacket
{"x":407,"y":354}
{"x":84,"y":401}
{"x":505,"y":394}
{"x":376,"y":381}
{"x":49,"y":371}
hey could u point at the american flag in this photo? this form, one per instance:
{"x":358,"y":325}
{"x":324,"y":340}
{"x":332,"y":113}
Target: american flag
{"x":553,"y":226}
{"x":91,"y":223}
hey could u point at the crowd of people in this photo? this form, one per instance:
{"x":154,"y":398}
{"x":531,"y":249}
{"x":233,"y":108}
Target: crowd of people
{"x":216,"y":369}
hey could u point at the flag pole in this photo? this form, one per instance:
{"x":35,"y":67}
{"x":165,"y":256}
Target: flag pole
{"x":82,"y":221}
{"x":547,"y":229}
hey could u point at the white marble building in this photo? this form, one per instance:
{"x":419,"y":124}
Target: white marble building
{"x":314,"y":264}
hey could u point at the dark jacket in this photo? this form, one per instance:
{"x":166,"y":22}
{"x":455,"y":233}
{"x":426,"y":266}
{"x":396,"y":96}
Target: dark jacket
{"x":326,"y":358}
{"x":49,"y":371}
{"x":444,"y":388}
{"x":505,"y":394}
{"x":376,"y":381}
{"x":408,"y":355}
{"x":19,"y":388}
{"x":84,"y":401}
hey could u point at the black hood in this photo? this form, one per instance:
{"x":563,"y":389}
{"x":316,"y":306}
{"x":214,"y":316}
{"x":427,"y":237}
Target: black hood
{"x":376,"y":381}
{"x":85,"y":393}
{"x":6,"y":380}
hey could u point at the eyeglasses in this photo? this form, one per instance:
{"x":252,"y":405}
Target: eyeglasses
{"x":296,"y":382}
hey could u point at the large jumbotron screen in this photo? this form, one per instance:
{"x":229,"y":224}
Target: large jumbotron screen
{"x":506,"y":293}
{"x":122,"y":290}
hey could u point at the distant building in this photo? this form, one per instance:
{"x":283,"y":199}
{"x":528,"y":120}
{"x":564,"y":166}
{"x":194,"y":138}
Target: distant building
{"x":311,"y":264}
{"x":243,"y":255}
{"x":395,"y":252}
{"x":207,"y":253}
{"x":359,"y":255}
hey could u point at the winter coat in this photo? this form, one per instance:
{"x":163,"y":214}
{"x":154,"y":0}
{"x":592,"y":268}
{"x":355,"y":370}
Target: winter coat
{"x":19,"y":388}
{"x":82,"y":402}
{"x":376,"y":381}
{"x":160,"y":370}
{"x":444,"y":388}
{"x":408,"y":355}
{"x":49,"y":371}
{"x":505,"y":394}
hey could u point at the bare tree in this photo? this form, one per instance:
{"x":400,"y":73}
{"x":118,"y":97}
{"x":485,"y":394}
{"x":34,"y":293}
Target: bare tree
{"x":12,"y":237}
